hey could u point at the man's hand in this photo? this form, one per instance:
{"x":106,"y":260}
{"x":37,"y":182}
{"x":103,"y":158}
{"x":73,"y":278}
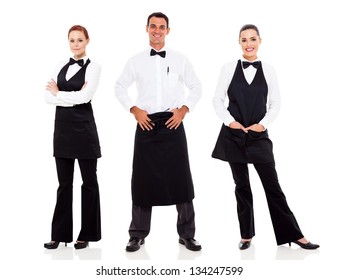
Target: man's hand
{"x":178,"y":116}
{"x":142,"y":118}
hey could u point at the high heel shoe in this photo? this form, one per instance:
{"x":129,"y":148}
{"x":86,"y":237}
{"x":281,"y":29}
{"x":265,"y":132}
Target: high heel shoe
{"x":243,"y":245}
{"x":307,"y":246}
{"x":53,"y":245}
{"x":81,"y":244}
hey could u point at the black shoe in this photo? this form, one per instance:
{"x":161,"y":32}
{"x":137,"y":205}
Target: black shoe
{"x":53,"y":245}
{"x":190,"y":244}
{"x":243,"y":245}
{"x":134,"y":244}
{"x":307,"y":246}
{"x":81,"y":245}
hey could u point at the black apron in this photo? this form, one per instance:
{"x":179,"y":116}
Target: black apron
{"x":75,"y":132}
{"x":161,"y":172}
{"x":247,"y":105}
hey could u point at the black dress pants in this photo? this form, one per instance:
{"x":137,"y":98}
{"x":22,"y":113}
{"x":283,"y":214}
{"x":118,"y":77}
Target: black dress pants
{"x":285,"y":226}
{"x":62,"y":224}
{"x":141,"y":220}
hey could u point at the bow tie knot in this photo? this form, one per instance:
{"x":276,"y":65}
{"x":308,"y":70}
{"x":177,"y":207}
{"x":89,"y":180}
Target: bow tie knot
{"x":154,"y":52}
{"x":246,"y":64}
{"x":80,"y":62}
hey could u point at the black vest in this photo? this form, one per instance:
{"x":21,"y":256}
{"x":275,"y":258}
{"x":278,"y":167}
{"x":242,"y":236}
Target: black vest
{"x":75,"y":133}
{"x":247,"y":105}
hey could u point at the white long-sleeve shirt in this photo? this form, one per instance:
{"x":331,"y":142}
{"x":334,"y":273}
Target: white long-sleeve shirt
{"x":71,"y":98}
{"x":160,"y":82}
{"x":220,"y":100}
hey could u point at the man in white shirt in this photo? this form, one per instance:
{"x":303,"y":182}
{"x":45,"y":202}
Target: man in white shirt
{"x":161,"y":172}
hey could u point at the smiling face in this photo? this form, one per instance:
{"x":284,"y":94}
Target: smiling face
{"x":157,"y":30}
{"x":249,"y":41}
{"x":77,"y":43}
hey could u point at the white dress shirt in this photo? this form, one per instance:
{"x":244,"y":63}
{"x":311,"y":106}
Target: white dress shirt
{"x":220,"y":100}
{"x":71,"y":98}
{"x":160,"y":82}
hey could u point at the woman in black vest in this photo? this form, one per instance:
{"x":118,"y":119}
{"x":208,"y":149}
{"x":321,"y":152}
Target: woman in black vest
{"x":250,"y":90}
{"x":75,"y":137}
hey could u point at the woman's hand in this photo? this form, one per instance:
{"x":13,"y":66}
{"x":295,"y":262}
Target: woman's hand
{"x":238,"y":125}
{"x":52,"y":87}
{"x":256,"y":127}
{"x":142,"y":118}
{"x":85,"y":84}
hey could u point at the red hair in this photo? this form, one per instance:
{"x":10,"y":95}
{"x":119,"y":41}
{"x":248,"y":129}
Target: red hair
{"x":79,"y":28}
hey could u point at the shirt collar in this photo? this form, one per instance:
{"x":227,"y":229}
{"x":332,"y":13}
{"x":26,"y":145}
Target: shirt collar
{"x":163,"y":49}
{"x":244,"y":59}
{"x":84,"y":58}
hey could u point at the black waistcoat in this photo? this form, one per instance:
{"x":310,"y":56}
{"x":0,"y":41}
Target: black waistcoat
{"x":247,"y":105}
{"x":75,"y":132}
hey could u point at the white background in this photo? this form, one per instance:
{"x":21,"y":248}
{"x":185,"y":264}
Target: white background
{"x":299,"y":38}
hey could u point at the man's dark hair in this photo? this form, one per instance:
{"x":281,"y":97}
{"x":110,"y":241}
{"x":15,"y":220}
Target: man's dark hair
{"x":158,"y":15}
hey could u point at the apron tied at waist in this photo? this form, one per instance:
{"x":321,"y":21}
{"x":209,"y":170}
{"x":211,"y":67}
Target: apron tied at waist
{"x":161,"y":172}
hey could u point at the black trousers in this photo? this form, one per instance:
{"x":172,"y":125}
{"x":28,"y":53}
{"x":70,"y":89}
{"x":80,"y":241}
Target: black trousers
{"x":141,"y":220}
{"x":62,"y":224}
{"x":285,"y":226}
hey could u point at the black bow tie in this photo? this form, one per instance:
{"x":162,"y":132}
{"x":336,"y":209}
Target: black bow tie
{"x":154,"y":52}
{"x":80,"y":62}
{"x":255,"y":64}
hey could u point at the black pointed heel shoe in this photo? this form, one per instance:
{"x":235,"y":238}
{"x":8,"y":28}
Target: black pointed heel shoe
{"x":307,"y":246}
{"x":243,"y":245}
{"x":53,"y":245}
{"x":81,"y":245}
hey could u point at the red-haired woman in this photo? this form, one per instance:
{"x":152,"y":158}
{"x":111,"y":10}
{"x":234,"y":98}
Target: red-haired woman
{"x":71,"y":90}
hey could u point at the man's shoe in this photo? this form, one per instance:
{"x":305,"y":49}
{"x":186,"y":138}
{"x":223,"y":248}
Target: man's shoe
{"x":190,"y":244}
{"x":134,"y":244}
